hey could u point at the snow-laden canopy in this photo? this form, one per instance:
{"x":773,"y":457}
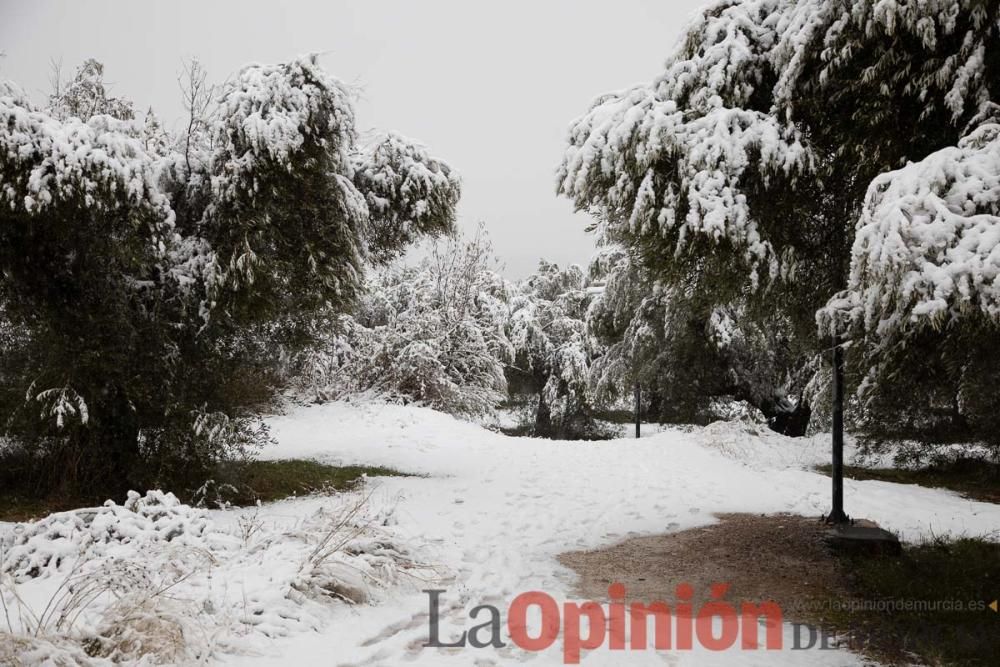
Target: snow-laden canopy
{"x":282,"y":131}
{"x":409,"y":193}
{"x":740,"y":116}
{"x":98,"y":163}
{"x":927,"y":248}
{"x":271,"y":114}
{"x":652,"y":167}
{"x":287,"y":133}
{"x":71,"y":190}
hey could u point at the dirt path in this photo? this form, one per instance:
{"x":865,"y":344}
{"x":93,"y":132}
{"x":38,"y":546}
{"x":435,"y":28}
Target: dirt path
{"x":781,"y":558}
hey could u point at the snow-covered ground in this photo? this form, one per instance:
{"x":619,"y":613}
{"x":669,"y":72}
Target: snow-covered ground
{"x":494,"y":512}
{"x":488,"y":514}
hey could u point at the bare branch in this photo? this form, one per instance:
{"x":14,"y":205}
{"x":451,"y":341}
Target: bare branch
{"x":198,"y":97}
{"x":55,"y":77}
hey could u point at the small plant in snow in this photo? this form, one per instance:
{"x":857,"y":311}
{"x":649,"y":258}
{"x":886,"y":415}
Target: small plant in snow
{"x":153,"y":579}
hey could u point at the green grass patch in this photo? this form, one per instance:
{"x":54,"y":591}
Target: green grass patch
{"x":267,"y":481}
{"x":974,"y":478}
{"x":243,"y":483}
{"x":931,"y":602}
{"x":14,"y":507}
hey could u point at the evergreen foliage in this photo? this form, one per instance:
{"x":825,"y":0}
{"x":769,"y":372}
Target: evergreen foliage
{"x":154,"y":287}
{"x":804,"y":157}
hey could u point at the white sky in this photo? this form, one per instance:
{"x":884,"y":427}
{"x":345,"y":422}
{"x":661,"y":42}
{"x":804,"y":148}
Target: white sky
{"x":489,"y":86}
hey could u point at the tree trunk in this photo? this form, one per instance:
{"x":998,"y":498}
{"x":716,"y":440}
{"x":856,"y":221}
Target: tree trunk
{"x":543,"y":418}
{"x":794,"y":423}
{"x":638,"y":410}
{"x":118,"y":432}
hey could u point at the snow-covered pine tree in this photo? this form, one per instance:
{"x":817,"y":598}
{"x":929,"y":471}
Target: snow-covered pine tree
{"x":149,"y":291}
{"x":922,"y":298}
{"x":553,"y":350}
{"x":747,"y":162}
{"x":689,"y":355}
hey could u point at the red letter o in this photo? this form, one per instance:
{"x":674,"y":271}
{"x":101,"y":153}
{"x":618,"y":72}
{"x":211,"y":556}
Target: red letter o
{"x":517,"y":621}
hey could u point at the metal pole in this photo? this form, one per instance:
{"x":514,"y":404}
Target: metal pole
{"x":837,"y":514}
{"x":638,"y":398}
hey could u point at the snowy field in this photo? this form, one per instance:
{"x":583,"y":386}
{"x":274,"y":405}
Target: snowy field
{"x":484,"y":520}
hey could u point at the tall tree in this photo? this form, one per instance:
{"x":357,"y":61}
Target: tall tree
{"x":742,"y":172}
{"x":552,"y":349}
{"x":149,"y":282}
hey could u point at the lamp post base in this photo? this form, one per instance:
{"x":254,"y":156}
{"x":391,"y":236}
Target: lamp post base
{"x":864,"y":539}
{"x":837,"y":517}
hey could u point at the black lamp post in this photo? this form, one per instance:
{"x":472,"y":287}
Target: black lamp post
{"x":837,"y":515}
{"x":638,"y":403}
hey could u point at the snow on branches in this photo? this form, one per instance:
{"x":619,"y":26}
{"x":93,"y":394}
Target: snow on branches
{"x":97,"y":163}
{"x":271,"y":114}
{"x":647,"y":167}
{"x":287,"y":133}
{"x":85,"y":96}
{"x":670,"y":159}
{"x":408,"y":192}
{"x":954,"y":36}
{"x":738,"y":117}
{"x":927,"y":248}
{"x":432,"y":334}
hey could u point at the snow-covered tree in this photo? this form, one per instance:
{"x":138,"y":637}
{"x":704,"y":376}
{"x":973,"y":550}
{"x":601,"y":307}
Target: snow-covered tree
{"x":552,"y":348}
{"x":778,"y":138}
{"x":156,"y":139}
{"x":85,"y":95}
{"x":922,"y":298}
{"x":431,"y":334}
{"x":688,"y":355}
{"x":152,"y":288}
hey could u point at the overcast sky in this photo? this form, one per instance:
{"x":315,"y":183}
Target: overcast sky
{"x":489,"y":86}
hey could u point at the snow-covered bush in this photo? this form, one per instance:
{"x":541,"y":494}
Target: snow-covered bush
{"x":152,"y":580}
{"x":47,"y":545}
{"x":431,"y":333}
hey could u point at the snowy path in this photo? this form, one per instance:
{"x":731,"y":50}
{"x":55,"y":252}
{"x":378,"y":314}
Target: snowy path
{"x":494,"y":512}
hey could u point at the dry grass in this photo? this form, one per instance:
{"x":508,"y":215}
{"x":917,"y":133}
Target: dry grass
{"x":136,"y":614}
{"x":159,"y":603}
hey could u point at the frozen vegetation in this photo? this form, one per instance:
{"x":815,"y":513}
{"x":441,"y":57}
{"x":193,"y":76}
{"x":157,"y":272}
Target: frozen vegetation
{"x":802,"y":176}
